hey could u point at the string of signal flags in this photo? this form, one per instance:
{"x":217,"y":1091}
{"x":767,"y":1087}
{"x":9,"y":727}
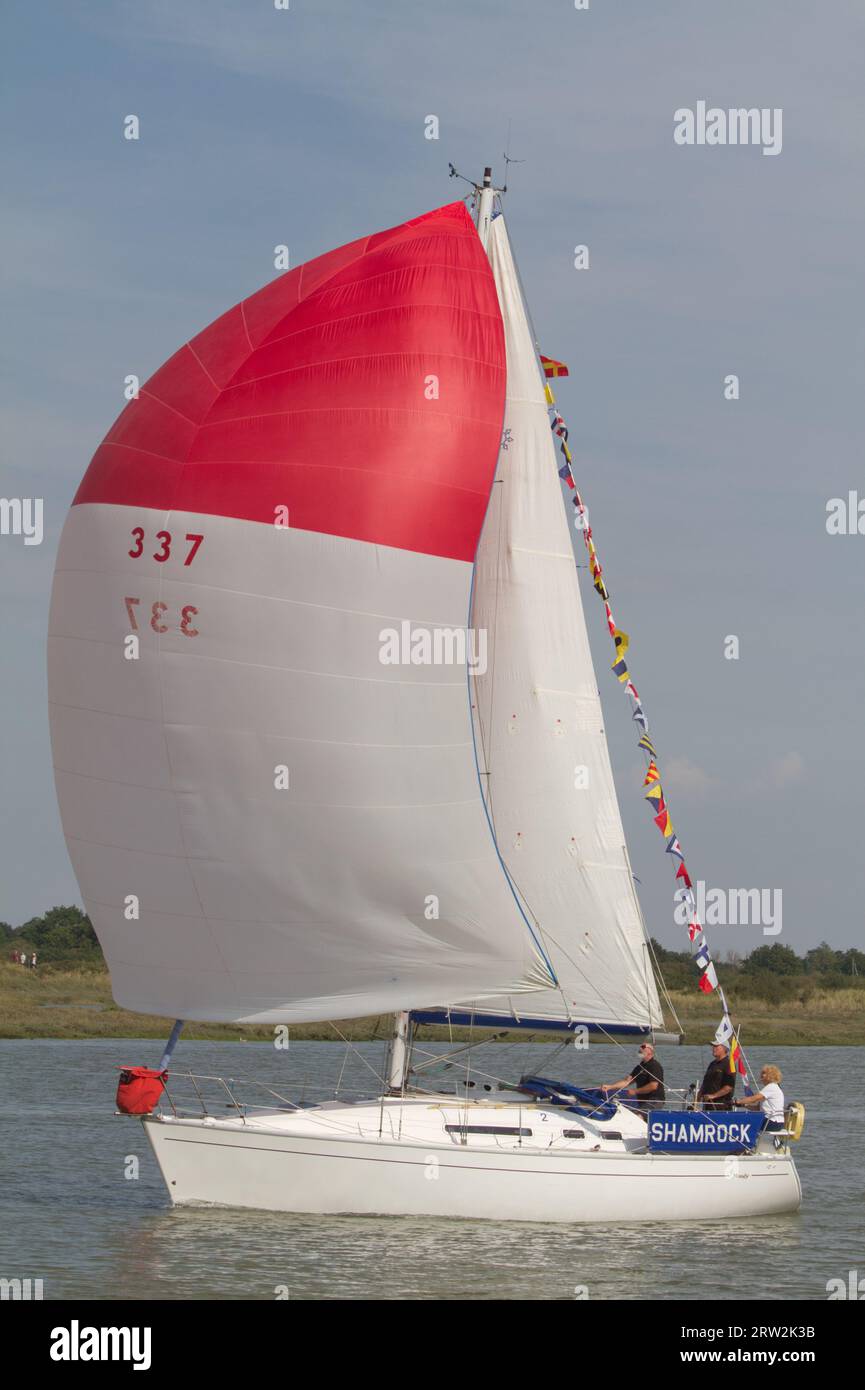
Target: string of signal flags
{"x":653,"y":790}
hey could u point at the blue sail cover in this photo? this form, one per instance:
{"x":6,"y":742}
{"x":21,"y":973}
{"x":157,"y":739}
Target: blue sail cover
{"x":703,"y":1131}
{"x":595,"y":1102}
{"x":466,"y":1018}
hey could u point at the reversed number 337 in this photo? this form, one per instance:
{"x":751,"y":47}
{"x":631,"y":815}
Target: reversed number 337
{"x":157,"y":613}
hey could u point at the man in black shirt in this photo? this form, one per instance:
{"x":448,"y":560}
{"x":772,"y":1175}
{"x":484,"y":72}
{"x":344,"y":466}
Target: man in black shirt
{"x":645,"y":1081}
{"x":719,"y":1083}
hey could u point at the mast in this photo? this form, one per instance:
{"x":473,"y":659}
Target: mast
{"x":486,"y":198}
{"x":400,"y":1052}
{"x":400,"y":1048}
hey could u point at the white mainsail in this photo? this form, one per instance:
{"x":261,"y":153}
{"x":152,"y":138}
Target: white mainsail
{"x":540,"y":740}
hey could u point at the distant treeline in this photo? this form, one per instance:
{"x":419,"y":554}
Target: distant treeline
{"x":64,"y":935}
{"x":774,"y":973}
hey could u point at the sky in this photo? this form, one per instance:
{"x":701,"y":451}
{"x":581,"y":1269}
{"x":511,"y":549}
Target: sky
{"x":307,"y":127}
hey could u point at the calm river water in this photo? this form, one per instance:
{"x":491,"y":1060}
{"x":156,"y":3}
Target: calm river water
{"x":69,"y":1216}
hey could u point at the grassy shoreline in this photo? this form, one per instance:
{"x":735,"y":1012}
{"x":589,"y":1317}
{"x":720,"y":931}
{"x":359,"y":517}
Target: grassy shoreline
{"x":77,"y":1004}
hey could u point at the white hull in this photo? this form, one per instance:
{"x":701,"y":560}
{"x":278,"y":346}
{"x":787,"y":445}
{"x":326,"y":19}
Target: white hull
{"x":392,"y":1158}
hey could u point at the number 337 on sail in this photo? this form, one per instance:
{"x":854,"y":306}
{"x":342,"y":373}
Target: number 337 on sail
{"x":164,"y":551}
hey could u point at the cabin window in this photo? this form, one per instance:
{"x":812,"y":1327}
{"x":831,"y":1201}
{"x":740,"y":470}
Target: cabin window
{"x":510,"y":1130}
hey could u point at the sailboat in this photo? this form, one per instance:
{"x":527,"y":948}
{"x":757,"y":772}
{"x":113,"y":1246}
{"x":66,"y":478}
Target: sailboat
{"x":295,"y":783}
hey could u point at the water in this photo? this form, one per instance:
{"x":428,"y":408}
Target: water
{"x":70,"y":1217}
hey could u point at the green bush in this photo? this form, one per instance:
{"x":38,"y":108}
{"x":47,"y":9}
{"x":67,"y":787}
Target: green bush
{"x":64,"y":933}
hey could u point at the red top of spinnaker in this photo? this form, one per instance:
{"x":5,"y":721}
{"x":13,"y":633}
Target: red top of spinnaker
{"x":364,"y":391}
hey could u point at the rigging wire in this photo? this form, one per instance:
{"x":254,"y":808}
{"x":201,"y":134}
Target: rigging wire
{"x":635,"y":898}
{"x":350,"y":1046}
{"x":345,"y":1057}
{"x":659,"y":978}
{"x":484,"y":739}
{"x":646,"y":754}
{"x":484,"y":735}
{"x":492,"y":687}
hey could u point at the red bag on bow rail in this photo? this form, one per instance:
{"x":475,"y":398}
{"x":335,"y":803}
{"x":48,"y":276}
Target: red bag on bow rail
{"x":139,"y":1089}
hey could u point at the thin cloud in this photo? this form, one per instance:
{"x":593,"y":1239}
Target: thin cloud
{"x":786,"y":771}
{"x":681,"y":775}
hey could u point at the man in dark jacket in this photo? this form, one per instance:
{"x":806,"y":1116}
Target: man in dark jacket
{"x":645,"y":1081}
{"x":719,"y":1083}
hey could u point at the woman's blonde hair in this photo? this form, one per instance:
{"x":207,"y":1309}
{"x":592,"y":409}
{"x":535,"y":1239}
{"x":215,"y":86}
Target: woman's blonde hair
{"x":773,"y":1074}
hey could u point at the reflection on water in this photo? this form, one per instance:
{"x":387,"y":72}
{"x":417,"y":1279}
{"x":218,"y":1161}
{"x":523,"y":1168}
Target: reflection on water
{"x":69,"y":1216}
{"x":344,"y":1257}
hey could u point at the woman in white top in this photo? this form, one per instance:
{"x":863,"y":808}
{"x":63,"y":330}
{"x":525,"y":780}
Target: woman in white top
{"x":770,"y":1098}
